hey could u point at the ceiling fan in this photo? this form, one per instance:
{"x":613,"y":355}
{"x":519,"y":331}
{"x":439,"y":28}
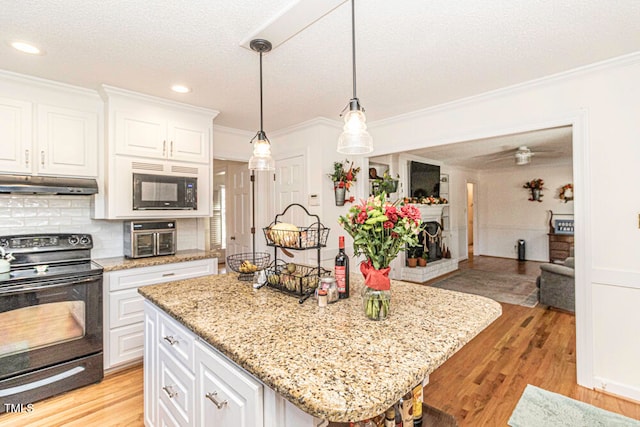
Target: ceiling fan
{"x":521,"y":155}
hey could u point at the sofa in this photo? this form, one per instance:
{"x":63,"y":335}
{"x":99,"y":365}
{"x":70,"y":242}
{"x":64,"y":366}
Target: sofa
{"x":557,"y":285}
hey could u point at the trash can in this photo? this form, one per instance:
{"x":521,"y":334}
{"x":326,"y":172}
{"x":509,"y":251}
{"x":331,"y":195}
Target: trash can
{"x":521,"y":247}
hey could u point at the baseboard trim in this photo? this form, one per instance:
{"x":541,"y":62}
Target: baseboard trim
{"x":623,"y":391}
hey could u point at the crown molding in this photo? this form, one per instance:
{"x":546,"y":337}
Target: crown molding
{"x":45,"y":84}
{"x":107,"y":91}
{"x":318,"y":121}
{"x":234,"y":131}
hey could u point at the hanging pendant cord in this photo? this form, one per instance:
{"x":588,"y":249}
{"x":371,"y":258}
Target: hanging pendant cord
{"x":261,"y":129}
{"x":353,"y":44}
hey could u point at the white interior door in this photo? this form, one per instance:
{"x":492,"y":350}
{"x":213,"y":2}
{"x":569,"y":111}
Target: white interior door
{"x":238,"y":190}
{"x":289,"y":188}
{"x":290,"y":179}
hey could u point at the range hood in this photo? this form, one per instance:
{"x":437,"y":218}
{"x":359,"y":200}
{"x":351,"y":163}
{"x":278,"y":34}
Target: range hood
{"x":47,"y":185}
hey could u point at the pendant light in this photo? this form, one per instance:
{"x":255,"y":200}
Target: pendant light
{"x":261,"y":159}
{"x":355,"y":139}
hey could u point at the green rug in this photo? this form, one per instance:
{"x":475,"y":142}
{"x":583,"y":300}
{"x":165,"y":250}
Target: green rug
{"x":541,"y":408}
{"x":502,"y":287}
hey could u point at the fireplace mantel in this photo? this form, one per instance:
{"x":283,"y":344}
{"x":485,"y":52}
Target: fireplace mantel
{"x":430,"y":213}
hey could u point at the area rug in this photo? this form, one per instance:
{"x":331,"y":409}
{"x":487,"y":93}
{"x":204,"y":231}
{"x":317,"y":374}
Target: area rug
{"x":541,"y":408}
{"x":503,"y":287}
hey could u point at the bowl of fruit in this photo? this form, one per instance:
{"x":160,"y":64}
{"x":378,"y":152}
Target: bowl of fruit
{"x":247,"y":264}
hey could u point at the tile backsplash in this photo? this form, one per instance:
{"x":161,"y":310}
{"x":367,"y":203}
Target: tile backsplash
{"x":26,"y":214}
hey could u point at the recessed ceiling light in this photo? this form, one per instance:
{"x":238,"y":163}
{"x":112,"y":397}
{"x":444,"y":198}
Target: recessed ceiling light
{"x":180,"y":89}
{"x":27,"y":48}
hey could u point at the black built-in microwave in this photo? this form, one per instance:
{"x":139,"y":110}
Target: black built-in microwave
{"x":164,"y":192}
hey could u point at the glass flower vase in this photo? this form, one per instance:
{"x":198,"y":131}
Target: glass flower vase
{"x":376,"y":304}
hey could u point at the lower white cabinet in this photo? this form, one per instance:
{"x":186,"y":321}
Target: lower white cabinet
{"x":226,"y":395}
{"x":176,"y":388}
{"x":124,"y":309}
{"x":187,"y":382}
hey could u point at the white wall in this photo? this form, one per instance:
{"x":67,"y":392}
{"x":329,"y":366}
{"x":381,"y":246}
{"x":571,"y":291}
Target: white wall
{"x":505,"y":214}
{"x":603,"y":104}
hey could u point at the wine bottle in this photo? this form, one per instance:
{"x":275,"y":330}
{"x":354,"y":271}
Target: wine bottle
{"x":390,"y":417}
{"x":341,"y":271}
{"x":417,"y":405}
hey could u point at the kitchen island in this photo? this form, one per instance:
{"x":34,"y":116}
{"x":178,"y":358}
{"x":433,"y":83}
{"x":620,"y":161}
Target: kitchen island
{"x":332,"y":362}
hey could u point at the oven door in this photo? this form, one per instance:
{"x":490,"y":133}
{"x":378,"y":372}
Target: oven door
{"x":144,"y":244}
{"x":49,"y":322}
{"x":166,"y":242}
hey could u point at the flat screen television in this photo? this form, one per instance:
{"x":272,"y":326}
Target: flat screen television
{"x":424,"y":179}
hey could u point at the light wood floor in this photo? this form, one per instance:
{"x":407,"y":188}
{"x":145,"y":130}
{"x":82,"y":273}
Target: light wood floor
{"x":480,"y":385}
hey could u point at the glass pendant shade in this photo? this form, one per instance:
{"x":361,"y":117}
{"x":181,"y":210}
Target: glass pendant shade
{"x":355,"y":139}
{"x":261,"y":159}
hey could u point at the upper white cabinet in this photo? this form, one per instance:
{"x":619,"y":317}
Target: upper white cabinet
{"x":67,"y":142}
{"x":144,"y":126}
{"x":155,"y":136}
{"x":15,"y":131}
{"x":48,"y":128}
{"x":151,"y":135}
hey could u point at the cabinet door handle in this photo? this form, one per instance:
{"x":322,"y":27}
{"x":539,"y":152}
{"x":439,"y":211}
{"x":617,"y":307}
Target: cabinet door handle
{"x":26,"y":157}
{"x":212,"y":397}
{"x":171,"y":149}
{"x":168,"y":274}
{"x":42,"y":158}
{"x":164,"y":148}
{"x":171,"y":340}
{"x":170,"y":392}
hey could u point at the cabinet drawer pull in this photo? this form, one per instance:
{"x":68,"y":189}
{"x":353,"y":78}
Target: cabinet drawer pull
{"x":168,"y":274}
{"x":212,"y":397}
{"x":169,"y":390}
{"x":171,"y":340}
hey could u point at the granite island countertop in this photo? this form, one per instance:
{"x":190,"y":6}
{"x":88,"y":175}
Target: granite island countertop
{"x":331,"y":362}
{"x":123,"y":263}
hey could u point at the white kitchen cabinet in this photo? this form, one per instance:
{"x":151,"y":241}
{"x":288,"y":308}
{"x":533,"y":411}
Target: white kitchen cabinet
{"x":119,"y":204}
{"x":214,"y":391}
{"x":151,"y":410}
{"x":158,"y":135}
{"x":226,"y":396}
{"x":61,"y":141}
{"x":152,"y":135}
{"x":176,"y":388}
{"x":16,"y":125}
{"x":155,"y":128}
{"x":124,"y":309}
{"x":67,"y":142}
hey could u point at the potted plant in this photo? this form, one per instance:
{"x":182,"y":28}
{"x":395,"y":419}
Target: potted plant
{"x":422,"y":261}
{"x":412,"y":257}
{"x":388,"y":184}
{"x":343,"y":175}
{"x":535,"y":186}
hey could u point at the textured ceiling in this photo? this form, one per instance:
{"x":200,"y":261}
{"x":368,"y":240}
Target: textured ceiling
{"x":548,"y":147}
{"x":411,"y":54}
